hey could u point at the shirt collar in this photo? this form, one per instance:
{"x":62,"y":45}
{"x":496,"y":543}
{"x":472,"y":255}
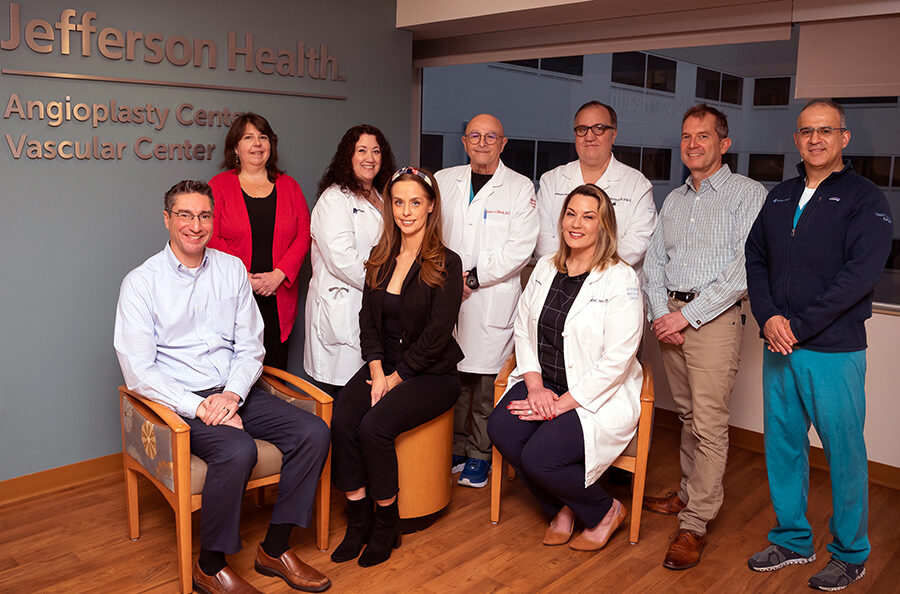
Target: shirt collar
{"x":716,"y":181}
{"x":801,"y":169}
{"x":175,"y":264}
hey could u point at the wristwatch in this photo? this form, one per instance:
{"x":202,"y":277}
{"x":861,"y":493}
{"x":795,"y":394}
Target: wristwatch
{"x":472,"y":279}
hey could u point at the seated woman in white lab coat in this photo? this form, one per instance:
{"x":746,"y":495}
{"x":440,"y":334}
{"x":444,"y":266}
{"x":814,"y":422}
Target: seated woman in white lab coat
{"x":573,"y":400}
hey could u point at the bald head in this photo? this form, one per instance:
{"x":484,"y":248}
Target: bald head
{"x":484,"y":151}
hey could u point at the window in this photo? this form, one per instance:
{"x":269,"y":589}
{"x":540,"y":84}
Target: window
{"x":772,"y":91}
{"x":718,"y":86}
{"x":571,"y":65}
{"x":730,"y":159}
{"x":630,"y":155}
{"x":523,"y":63}
{"x":431,"y":152}
{"x":553,"y":154}
{"x":638,"y":69}
{"x":519,"y":156}
{"x":766,"y":168}
{"x":654,"y":163}
{"x":866,"y":100}
{"x":877,"y":169}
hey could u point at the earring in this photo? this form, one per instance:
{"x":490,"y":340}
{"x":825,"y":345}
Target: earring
{"x":237,"y":157}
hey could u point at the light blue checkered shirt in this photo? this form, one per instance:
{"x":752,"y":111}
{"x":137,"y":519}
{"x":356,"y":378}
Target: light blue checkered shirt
{"x":178,"y":332}
{"x":698,"y":245}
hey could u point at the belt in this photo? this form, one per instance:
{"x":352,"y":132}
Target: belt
{"x":688,"y":297}
{"x":209,"y":392}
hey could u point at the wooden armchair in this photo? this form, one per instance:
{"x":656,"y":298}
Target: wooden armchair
{"x":633,"y":459}
{"x":156,"y":444}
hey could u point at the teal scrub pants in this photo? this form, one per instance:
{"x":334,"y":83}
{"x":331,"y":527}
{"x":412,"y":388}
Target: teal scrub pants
{"x":827,"y":389}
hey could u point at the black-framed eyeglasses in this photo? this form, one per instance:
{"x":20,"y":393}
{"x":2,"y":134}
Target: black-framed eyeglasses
{"x":489,"y":138}
{"x":597,"y":129}
{"x":824,"y":132}
{"x":187,"y":216}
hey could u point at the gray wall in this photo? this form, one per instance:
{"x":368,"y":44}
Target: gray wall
{"x":70,"y":230}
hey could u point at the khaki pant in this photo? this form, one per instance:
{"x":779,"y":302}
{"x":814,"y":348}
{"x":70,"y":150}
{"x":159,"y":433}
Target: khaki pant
{"x":470,"y":416}
{"x":701,"y":374}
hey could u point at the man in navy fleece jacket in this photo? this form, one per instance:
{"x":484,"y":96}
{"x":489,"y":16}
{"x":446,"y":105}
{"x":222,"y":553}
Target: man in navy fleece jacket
{"x":814,"y":256}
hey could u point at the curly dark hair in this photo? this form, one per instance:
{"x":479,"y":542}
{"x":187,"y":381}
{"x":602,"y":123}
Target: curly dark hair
{"x":340,"y":171}
{"x":234,"y":136}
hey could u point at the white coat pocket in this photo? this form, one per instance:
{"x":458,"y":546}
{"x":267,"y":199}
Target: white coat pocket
{"x":338,"y":320}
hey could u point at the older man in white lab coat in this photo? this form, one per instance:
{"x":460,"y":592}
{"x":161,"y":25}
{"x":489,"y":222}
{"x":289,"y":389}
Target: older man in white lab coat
{"x":491,"y":221}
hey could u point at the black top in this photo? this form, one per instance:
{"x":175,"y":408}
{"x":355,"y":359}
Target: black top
{"x":393,"y":329}
{"x":563,"y":291}
{"x":262,"y":229}
{"x":427,"y":317}
{"x":478,"y":181}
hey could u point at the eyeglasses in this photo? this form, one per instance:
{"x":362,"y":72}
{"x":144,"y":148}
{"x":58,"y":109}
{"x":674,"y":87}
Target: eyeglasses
{"x":597,"y":129}
{"x":489,"y":138}
{"x":823,"y":132}
{"x":186,"y":216}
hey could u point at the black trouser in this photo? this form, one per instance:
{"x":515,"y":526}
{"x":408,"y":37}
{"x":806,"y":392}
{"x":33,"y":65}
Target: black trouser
{"x":230,"y":455}
{"x":362,"y":435}
{"x":550,"y":456}
{"x":276,"y":351}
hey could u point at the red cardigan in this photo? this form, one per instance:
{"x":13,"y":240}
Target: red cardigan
{"x":231,"y":234}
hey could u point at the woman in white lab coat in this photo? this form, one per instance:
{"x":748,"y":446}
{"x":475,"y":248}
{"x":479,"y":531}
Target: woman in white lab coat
{"x":345,"y":225}
{"x":573,"y":401}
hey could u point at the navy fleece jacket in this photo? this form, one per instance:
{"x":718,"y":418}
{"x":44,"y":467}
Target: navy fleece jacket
{"x":820,"y":275}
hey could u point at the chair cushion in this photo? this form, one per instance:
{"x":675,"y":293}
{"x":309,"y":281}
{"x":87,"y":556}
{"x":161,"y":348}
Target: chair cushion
{"x":631,"y":448}
{"x":268,"y":463}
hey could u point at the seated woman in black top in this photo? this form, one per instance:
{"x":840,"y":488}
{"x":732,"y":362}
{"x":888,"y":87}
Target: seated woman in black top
{"x":409,"y":308}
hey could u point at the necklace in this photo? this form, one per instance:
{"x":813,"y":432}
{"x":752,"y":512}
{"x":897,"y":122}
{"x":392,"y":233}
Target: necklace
{"x":253,"y":184}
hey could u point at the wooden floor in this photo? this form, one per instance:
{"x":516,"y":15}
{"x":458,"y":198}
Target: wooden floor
{"x":75,"y":541}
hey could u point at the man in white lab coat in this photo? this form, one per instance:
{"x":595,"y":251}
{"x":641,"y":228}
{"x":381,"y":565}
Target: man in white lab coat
{"x":491,"y":221}
{"x":630,"y":192}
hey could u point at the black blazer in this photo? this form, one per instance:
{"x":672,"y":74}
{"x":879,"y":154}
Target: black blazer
{"x":427,"y":315}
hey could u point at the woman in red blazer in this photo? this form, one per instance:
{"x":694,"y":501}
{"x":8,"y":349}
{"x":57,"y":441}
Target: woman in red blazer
{"x":261,"y":216}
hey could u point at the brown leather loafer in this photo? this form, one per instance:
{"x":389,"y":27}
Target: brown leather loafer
{"x":670,"y":504}
{"x":292,"y":570}
{"x":684,"y":550}
{"x":226,"y":581}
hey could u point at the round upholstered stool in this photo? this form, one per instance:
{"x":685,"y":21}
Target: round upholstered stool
{"x":423,"y":460}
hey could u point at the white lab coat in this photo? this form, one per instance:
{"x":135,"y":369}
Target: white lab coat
{"x":496,"y":233}
{"x":601,"y":335}
{"x":631,"y":194}
{"x":344,"y":229}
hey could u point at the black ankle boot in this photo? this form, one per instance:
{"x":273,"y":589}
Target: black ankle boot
{"x":359,"y":525}
{"x":385,"y":536}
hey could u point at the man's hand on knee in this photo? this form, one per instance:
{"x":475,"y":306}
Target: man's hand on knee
{"x":217,"y":409}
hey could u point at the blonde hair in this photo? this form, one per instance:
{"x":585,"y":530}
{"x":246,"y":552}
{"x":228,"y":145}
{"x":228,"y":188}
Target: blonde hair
{"x":605,"y":253}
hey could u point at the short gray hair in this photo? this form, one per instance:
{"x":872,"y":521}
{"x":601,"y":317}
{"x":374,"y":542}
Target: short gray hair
{"x":829,"y":103}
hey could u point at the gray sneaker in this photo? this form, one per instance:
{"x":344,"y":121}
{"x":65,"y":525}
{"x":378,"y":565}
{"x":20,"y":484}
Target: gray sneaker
{"x":837,"y":575}
{"x":775,"y":557}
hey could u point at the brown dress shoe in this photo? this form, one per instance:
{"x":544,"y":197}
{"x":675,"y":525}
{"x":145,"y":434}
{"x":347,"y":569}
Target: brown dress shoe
{"x":670,"y":504}
{"x":684,"y":550}
{"x":292,"y":570}
{"x":226,"y":581}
